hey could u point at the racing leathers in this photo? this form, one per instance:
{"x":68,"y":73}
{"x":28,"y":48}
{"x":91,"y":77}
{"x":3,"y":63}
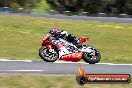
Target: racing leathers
{"x":68,"y":37}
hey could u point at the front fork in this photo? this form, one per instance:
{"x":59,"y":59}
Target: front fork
{"x":50,"y":48}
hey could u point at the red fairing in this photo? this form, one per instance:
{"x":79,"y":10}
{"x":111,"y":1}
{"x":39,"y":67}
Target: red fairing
{"x":83,"y":39}
{"x":49,"y":46}
{"x":74,"y":57}
{"x":45,"y":42}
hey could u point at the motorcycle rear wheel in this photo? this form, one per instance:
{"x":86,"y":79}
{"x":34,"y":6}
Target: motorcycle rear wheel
{"x":48,"y":56}
{"x":92,"y":59}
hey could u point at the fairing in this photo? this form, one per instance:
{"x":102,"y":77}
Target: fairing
{"x":74,"y":57}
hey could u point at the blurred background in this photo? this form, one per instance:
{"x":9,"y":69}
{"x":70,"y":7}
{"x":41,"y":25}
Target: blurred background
{"x":105,"y":8}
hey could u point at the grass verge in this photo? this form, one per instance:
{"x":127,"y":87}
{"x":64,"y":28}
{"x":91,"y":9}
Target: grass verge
{"x":20,"y":81}
{"x":21,"y":37}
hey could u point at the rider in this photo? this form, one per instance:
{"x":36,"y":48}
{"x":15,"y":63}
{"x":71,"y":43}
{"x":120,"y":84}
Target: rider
{"x":64,"y":35}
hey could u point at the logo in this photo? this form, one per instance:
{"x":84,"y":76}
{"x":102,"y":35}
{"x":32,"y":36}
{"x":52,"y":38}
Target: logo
{"x":83,"y":78}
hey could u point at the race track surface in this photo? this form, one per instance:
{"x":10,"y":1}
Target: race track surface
{"x":83,"y":18}
{"x":41,"y":67}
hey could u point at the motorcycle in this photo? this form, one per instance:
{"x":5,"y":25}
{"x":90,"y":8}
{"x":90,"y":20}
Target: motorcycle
{"x":59,"y":49}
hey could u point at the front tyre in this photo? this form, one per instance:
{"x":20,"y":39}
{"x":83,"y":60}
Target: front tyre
{"x":92,"y":57}
{"x":48,"y":56}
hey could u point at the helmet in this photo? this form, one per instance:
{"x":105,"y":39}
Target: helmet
{"x":53,"y":31}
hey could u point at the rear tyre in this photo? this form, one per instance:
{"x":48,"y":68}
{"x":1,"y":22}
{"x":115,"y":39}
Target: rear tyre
{"x":48,"y":56}
{"x":92,"y":59}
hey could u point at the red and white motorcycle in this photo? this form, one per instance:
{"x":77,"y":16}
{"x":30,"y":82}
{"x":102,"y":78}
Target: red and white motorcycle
{"x":59,"y":49}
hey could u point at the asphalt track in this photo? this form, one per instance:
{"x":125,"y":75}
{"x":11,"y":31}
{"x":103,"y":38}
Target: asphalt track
{"x":86,"y":18}
{"x":83,"y":18}
{"x":41,"y":67}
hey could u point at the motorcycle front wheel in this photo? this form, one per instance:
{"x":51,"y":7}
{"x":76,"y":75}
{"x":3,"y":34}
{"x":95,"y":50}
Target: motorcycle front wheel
{"x":48,"y":56}
{"x":92,"y":58}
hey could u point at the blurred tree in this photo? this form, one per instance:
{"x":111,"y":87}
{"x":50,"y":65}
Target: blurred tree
{"x":43,"y":5}
{"x":58,"y":5}
{"x":129,"y":7}
{"x":14,"y":6}
{"x":93,"y":6}
{"x":120,"y":5}
{"x":31,"y":3}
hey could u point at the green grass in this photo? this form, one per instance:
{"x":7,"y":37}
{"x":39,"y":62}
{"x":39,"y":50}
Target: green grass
{"x":50,"y":82}
{"x":21,"y":37}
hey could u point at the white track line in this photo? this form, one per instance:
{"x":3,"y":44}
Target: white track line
{"x":118,"y":64}
{"x":16,"y":60}
{"x":21,"y":70}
